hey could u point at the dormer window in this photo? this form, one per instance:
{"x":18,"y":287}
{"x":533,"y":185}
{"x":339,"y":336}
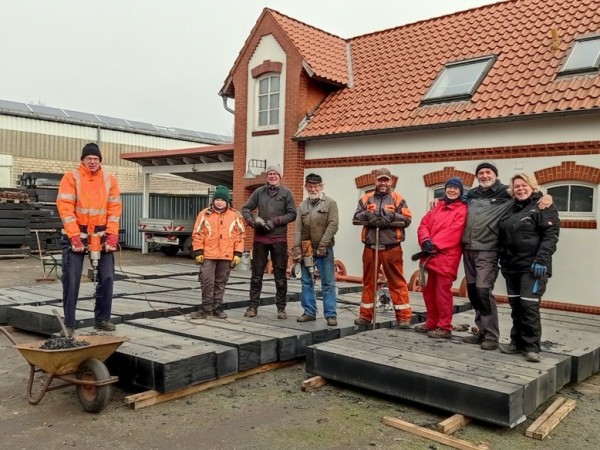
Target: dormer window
{"x":268,"y":101}
{"x":584,"y":57}
{"x":459,"y":80}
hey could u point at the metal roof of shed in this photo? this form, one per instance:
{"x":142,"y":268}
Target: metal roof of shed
{"x":113,"y":123}
{"x":212,"y":164}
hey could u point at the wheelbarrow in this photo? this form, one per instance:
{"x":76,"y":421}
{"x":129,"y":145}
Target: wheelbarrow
{"x":80,"y":366}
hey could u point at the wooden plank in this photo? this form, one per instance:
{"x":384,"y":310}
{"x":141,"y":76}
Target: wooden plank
{"x":432,"y":435}
{"x":313,"y":383}
{"x":545,"y":428}
{"x":544,"y":416}
{"x":453,"y":423}
{"x":144,"y":399}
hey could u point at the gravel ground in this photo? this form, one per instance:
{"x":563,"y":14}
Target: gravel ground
{"x":268,"y":410}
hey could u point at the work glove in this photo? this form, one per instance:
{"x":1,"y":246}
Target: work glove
{"x":199,"y":259}
{"x":297,"y":254}
{"x":384,"y":222}
{"x":427,"y":246}
{"x":76,"y":244}
{"x":322,"y":250}
{"x":539,"y":270}
{"x":112,"y":242}
{"x":261,"y":223}
{"x":251,"y":223}
{"x":373,"y":221}
{"x":269,"y":225}
{"x":236,"y":261}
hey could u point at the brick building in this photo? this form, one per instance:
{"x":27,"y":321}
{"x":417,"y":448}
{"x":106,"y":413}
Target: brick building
{"x":516,"y":82}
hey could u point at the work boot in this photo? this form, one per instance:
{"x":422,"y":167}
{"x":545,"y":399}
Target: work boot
{"x":421,"y":328}
{"x":70,"y":332}
{"x":331,"y":322}
{"x":104,"y":325}
{"x":532,"y":357}
{"x":361,"y":321}
{"x":473,"y":339}
{"x":439,"y":333}
{"x":281,"y":314}
{"x":250,"y":312}
{"x":219,"y":313}
{"x":509,"y":349}
{"x":404,"y":324}
{"x":201,"y":314}
{"x":488,"y":344}
{"x":305,"y":318}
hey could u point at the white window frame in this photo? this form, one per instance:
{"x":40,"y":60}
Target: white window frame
{"x":269,"y":110}
{"x":577,"y":51}
{"x":447,"y":80}
{"x":576,"y":215}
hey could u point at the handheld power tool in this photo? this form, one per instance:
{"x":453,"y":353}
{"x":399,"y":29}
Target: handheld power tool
{"x":95,"y":249}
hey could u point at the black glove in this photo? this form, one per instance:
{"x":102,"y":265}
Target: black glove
{"x":539,"y":270}
{"x":372,"y":221}
{"x":384,"y":222}
{"x":427,"y":246}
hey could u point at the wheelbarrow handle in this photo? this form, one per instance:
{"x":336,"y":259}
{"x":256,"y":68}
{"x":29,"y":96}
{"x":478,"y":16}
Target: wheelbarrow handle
{"x":8,"y":335}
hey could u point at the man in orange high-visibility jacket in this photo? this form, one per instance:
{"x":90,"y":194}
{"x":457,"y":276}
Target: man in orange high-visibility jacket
{"x":384,"y":214}
{"x":89,"y":202}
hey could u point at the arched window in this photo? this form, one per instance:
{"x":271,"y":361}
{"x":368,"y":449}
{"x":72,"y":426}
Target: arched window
{"x":268,"y":101}
{"x":574,"y":199}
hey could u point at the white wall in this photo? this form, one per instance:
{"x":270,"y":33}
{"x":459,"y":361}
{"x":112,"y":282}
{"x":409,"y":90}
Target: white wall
{"x":578,"y":257}
{"x":268,"y":147}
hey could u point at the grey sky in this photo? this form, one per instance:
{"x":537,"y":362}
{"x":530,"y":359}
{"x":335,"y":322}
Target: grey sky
{"x":161,"y":61}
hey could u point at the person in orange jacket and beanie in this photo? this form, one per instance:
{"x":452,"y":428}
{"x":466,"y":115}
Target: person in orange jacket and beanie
{"x":440,"y":233}
{"x":218,"y":244}
{"x":89,"y":202}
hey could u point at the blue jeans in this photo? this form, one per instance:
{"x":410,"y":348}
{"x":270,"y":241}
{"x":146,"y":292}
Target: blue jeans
{"x":308,"y":300}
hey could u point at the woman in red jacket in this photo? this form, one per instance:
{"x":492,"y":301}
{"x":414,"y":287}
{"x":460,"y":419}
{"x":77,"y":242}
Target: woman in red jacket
{"x":440,"y":235}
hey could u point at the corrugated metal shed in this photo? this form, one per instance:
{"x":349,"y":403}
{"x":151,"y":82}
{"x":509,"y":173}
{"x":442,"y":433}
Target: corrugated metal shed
{"x":162,"y":206}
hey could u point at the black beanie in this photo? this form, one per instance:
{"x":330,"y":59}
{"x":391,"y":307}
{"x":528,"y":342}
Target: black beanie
{"x":486,"y":165}
{"x":314,"y":178}
{"x":91,"y":149}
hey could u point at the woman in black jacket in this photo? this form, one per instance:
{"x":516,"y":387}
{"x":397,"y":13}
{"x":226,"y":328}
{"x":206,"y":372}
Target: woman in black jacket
{"x":528,"y":237}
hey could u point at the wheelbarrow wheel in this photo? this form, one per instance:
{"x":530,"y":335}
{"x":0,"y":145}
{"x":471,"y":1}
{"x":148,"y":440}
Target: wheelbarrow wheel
{"x":93,"y":398}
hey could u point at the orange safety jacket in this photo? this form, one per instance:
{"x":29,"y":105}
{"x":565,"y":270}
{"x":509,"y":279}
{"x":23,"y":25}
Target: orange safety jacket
{"x":218,"y":235}
{"x":89,"y":202}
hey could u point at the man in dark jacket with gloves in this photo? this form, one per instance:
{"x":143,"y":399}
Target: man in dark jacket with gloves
{"x":275,"y":208}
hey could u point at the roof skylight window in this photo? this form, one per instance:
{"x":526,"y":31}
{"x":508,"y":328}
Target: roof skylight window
{"x":459,"y":80}
{"x":584,"y":57}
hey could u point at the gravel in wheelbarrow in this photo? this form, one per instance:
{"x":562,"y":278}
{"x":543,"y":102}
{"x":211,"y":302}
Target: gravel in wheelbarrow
{"x":62,"y":343}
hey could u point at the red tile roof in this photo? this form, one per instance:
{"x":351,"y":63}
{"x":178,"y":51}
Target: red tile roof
{"x":324,"y":53}
{"x":393,"y":69}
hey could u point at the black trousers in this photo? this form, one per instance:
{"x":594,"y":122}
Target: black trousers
{"x":524,"y":296}
{"x":279,"y":258}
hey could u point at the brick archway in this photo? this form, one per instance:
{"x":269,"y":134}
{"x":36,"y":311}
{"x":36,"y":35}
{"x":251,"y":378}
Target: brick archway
{"x":441,"y":176}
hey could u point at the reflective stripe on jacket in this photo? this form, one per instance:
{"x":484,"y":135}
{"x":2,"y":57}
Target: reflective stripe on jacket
{"x":218,"y":235}
{"x":89,"y":201}
{"x":391,"y":203}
